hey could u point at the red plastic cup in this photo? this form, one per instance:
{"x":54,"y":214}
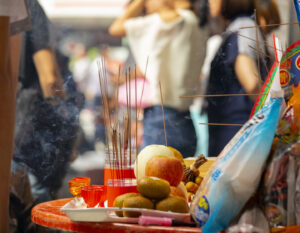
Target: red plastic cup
{"x":76,"y":183}
{"x":117,"y":187}
{"x":93,"y":195}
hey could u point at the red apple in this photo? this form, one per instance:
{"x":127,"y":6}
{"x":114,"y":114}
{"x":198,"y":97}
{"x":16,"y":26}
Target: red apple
{"x":168,"y":168}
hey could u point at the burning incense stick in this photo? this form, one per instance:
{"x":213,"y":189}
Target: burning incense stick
{"x":101,"y":75}
{"x":221,"y":124}
{"x":115,"y":152}
{"x":263,"y":54}
{"x":129,"y":112}
{"x":260,"y":51}
{"x":271,"y":25}
{"x":163,"y":112}
{"x":125,"y":131}
{"x":136,"y":114}
{"x":217,"y":95}
{"x":249,"y":38}
{"x":117,"y":99}
{"x":145,"y":76}
{"x":118,"y":141}
{"x":120,"y":152}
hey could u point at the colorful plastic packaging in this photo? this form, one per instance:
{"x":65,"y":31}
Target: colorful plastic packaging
{"x":236,"y":174}
{"x":281,"y":188}
{"x":290,"y":69}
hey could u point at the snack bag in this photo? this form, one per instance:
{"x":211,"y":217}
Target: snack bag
{"x":287,"y":130}
{"x":290,"y":70}
{"x":276,"y":189}
{"x":236,"y":173}
{"x":280,"y":186}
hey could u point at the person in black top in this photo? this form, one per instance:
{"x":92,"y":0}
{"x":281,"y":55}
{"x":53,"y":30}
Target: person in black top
{"x":234,"y":70}
{"x":46,"y":119}
{"x":38,"y":68}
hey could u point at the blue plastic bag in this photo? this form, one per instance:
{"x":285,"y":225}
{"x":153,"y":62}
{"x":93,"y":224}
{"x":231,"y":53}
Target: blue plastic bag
{"x":235,"y":175}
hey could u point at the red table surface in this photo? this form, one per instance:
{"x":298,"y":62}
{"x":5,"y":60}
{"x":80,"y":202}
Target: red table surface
{"x":48,"y":214}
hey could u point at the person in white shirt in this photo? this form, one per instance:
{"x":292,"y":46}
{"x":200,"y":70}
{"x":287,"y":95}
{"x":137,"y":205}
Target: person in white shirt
{"x":12,"y":14}
{"x":170,"y":38}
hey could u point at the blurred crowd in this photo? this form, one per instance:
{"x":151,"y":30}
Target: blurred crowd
{"x":180,"y":48}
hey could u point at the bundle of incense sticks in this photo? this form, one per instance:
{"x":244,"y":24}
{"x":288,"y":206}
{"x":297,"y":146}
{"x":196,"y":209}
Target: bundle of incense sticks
{"x":119,"y":145}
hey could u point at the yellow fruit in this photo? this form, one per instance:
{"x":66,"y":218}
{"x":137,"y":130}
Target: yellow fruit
{"x":154,"y":188}
{"x":177,"y":154}
{"x":191,"y":187}
{"x":198,"y":180}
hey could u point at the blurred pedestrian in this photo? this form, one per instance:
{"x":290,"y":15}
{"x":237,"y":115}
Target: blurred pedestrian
{"x":46,"y":119}
{"x":234,"y":70}
{"x":171,"y":39}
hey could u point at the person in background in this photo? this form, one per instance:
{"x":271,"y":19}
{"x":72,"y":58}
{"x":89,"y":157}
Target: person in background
{"x":170,"y":38}
{"x":46,"y":119}
{"x":81,"y":67}
{"x":38,"y":73}
{"x":13,"y":20}
{"x":45,"y":126}
{"x":268,"y":14}
{"x":38,"y":67}
{"x":234,"y":70}
{"x":214,"y":26}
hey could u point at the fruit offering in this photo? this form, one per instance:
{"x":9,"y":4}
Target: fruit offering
{"x":146,"y":154}
{"x":192,"y":178}
{"x":179,"y":191}
{"x":168,"y":168}
{"x":118,"y":202}
{"x":153,"y":187}
{"x":154,"y":193}
{"x":174,"y":204}
{"x":136,"y":202}
{"x":177,"y":154}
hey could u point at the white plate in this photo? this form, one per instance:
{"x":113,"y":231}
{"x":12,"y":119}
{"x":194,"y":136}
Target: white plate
{"x":107,"y":214}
